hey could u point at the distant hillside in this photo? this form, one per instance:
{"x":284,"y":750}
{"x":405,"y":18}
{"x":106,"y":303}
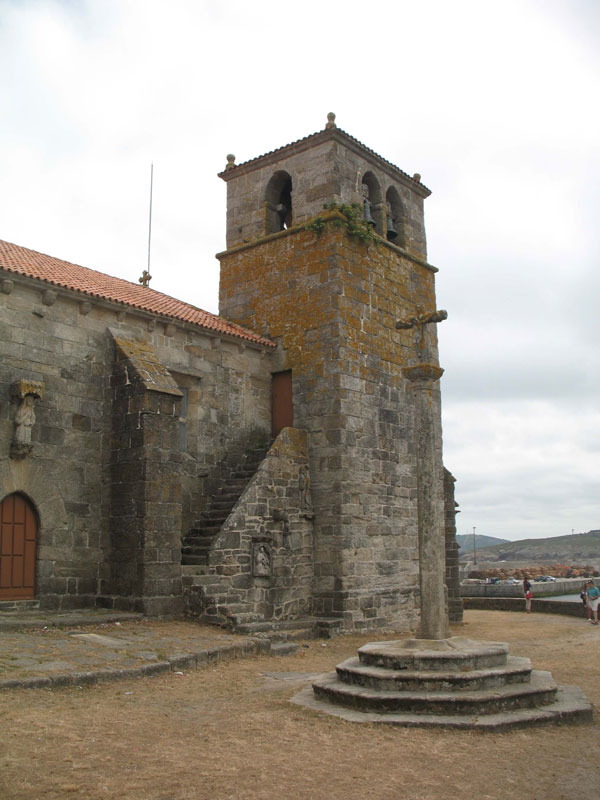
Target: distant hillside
{"x":465,"y":542}
{"x":578,"y":547}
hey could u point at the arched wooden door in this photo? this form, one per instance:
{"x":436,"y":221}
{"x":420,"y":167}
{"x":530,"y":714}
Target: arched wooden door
{"x":18,"y":541}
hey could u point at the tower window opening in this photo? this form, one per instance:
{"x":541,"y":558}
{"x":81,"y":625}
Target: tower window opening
{"x":278,"y":203}
{"x":372,"y":206}
{"x":394,"y":227}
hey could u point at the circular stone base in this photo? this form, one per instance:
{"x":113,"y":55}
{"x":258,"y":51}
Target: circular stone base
{"x":456,"y":652}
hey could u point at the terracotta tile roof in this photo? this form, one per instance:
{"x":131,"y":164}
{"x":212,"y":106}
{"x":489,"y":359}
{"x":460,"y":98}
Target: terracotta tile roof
{"x":314,"y":138}
{"x":22,"y":261}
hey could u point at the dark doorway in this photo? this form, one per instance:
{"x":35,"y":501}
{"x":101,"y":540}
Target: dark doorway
{"x":282,"y":408}
{"x":18,"y":541}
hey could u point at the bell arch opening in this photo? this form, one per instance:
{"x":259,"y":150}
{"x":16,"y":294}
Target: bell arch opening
{"x":278,"y":202}
{"x":372,"y":207}
{"x":394,"y":227}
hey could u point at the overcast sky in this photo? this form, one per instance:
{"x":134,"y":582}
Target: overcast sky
{"x":496,"y":104}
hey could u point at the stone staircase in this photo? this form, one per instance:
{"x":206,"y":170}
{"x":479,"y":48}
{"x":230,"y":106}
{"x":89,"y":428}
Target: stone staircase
{"x":449,"y":683}
{"x":197,"y":543}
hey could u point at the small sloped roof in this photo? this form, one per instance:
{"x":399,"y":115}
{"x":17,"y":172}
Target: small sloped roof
{"x":22,"y":261}
{"x":333,"y":132}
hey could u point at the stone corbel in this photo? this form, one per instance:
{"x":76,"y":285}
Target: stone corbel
{"x":25,"y":393}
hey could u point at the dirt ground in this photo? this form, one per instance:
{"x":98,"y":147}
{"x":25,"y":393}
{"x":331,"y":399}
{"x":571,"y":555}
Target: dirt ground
{"x":229,"y":732}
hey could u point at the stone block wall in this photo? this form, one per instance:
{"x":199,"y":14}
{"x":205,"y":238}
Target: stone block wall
{"x":332,"y":304}
{"x":455,"y":605}
{"x":263,"y":555}
{"x":65,"y":340}
{"x":44,"y":339}
{"x":145,"y":485}
{"x":333,"y":171}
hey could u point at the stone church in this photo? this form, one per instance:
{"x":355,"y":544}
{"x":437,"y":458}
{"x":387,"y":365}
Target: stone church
{"x":254,"y":467}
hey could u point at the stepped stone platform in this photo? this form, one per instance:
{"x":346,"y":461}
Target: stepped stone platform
{"x":449,"y":683}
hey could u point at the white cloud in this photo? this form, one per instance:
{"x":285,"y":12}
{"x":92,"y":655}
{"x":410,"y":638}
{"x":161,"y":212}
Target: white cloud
{"x":494,"y":104}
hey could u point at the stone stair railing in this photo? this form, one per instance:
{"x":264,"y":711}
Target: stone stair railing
{"x":197,"y":543}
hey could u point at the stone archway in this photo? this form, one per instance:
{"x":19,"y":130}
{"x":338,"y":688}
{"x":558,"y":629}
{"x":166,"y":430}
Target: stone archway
{"x":18,"y":546}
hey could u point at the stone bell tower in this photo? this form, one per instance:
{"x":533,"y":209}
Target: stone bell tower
{"x":325,"y":252}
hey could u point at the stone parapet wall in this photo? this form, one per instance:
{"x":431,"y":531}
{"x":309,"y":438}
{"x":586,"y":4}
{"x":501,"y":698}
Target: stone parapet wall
{"x":565,"y":586}
{"x":262,"y":557}
{"x":455,"y":605}
{"x":567,"y":608}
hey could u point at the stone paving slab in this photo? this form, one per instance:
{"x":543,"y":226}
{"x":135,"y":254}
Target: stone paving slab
{"x":32,"y":620}
{"x":49,"y":656}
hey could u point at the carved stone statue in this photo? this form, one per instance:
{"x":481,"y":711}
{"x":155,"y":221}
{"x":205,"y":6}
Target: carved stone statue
{"x":418,"y":323}
{"x":26,"y":393}
{"x":261,"y":560}
{"x":304,"y":488}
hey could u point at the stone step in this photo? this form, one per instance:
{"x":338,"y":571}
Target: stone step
{"x":244,"y":617}
{"x":517,"y":670}
{"x":456,"y":653}
{"x":194,"y":560}
{"x":539,"y":691}
{"x":287,"y":636}
{"x":196,"y":548}
{"x":203,"y":531}
{"x":570,"y":706}
{"x":224,"y":503}
{"x":214,"y":515}
{"x":19,"y":605}
{"x":283,"y":625}
{"x":328,"y":627}
{"x":197,"y":541}
{"x":283,"y":648}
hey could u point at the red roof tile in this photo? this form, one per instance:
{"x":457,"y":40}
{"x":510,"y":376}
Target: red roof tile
{"x":22,"y":261}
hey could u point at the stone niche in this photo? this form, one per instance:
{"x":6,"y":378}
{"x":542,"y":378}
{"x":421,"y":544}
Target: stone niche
{"x":24,"y":393}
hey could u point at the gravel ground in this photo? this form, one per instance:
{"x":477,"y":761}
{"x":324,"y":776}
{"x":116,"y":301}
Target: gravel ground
{"x":229,"y":731}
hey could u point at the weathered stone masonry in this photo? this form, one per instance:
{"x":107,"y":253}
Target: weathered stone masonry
{"x":116,"y":471}
{"x":147,"y":411}
{"x":331,"y":303}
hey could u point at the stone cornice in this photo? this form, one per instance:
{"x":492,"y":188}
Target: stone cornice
{"x":327,"y":216}
{"x":333,"y":134}
{"x":88,"y":301}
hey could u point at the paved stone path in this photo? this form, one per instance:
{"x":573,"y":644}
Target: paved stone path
{"x":49,"y":650}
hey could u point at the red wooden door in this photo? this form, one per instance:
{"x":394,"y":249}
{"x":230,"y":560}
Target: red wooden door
{"x":18,"y":540}
{"x":282,"y":409}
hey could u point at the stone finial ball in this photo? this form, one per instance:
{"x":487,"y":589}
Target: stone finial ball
{"x":417,"y":177}
{"x":330,"y":120}
{"x":230,"y":161}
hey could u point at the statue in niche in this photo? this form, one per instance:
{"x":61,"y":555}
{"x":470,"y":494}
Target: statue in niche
{"x":304,"y":488}
{"x":261,"y":560}
{"x":26,"y":393}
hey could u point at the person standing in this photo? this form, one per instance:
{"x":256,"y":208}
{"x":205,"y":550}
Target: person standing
{"x":583,"y":596}
{"x":528,"y":593}
{"x":593,"y":595}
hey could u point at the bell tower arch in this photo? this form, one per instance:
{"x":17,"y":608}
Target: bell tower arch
{"x":329,"y":286}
